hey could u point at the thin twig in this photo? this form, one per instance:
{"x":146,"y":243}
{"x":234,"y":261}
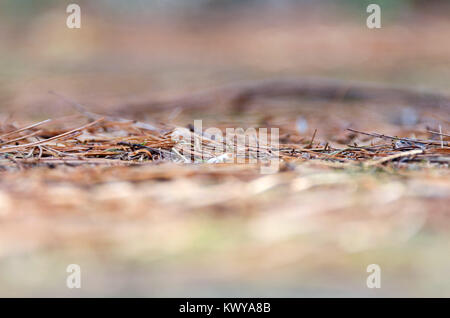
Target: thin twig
{"x":93,"y":116}
{"x":395,"y":156}
{"x":21,"y":138}
{"x":438,"y":133}
{"x":382,"y":136}
{"x":25,"y":128}
{"x":43,"y":142}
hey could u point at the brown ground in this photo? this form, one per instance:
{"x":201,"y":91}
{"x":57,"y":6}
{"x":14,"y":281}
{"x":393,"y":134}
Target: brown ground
{"x":160,"y":228}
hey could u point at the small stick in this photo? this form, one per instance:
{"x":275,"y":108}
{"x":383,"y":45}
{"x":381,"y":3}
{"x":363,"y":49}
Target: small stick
{"x":424,"y":142}
{"x":78,"y":107}
{"x":312,"y":139}
{"x":438,"y":133}
{"x":26,"y":128}
{"x":396,"y":156}
{"x":93,"y":116}
{"x":43,"y":142}
{"x":20,"y":138}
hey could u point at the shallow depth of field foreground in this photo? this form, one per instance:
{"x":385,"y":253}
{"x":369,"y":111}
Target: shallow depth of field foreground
{"x":91,"y":174}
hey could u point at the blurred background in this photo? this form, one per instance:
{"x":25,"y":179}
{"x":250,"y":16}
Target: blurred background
{"x":141,"y":49}
{"x":186,"y":236}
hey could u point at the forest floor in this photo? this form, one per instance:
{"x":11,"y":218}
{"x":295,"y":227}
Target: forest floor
{"x":363,"y":168}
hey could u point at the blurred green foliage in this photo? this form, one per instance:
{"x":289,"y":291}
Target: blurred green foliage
{"x":29,"y":7}
{"x":22,"y":11}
